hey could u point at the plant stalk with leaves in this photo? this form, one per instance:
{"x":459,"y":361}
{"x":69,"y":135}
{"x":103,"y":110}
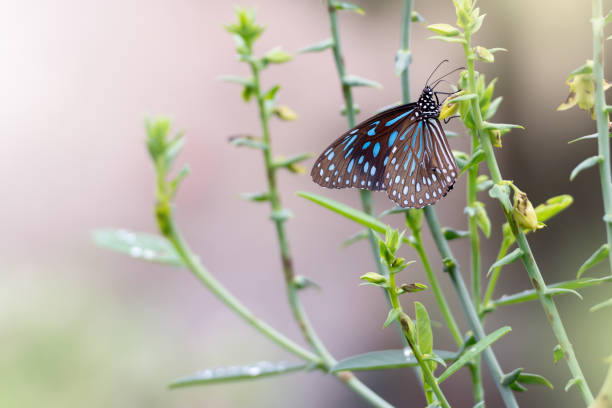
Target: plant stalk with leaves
{"x":521,"y":215}
{"x":419,"y":337}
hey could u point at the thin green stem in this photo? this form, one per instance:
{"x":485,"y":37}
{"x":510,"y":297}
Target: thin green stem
{"x":192,"y":263}
{"x":404,"y":321}
{"x":437,"y":290}
{"x":494,"y":276}
{"x":601,"y":116}
{"x":299,"y":313}
{"x":528,"y":259}
{"x":471,"y":315}
{"x":365,"y":195}
{"x":405,"y":48}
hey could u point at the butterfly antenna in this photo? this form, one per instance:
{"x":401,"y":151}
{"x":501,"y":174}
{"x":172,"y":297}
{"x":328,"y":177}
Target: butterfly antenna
{"x":437,"y":81}
{"x":434,"y":71}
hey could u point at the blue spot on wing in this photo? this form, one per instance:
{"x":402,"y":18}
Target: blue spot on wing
{"x":350,"y":165}
{"x":350,"y":142}
{"x":392,"y":121}
{"x":366,"y":145}
{"x":392,"y":138}
{"x":330,"y":156}
{"x":408,"y":160}
{"x":360,"y":160}
{"x":376,"y":149}
{"x":348,"y":153}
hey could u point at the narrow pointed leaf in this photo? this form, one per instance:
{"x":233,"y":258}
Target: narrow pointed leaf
{"x":558,"y":291}
{"x":238,"y":373}
{"x":256,"y":197}
{"x":237,"y":80}
{"x":391,"y":317}
{"x":511,"y":377}
{"x":594,"y":259}
{"x":502,"y":193}
{"x":528,"y":378}
{"x":571,"y":383}
{"x":385,"y":359}
{"x":446,"y":30}
{"x":473,"y":351}
{"x":451,"y":234}
{"x":361,"y":235}
{"x":152,"y":248}
{"x":501,"y":126}
{"x":557,"y":353}
{"x":345,"y":5}
{"x":593,"y":136}
{"x":601,"y":305}
{"x":248,"y":142}
{"x":531,"y":294}
{"x":477,"y":157}
{"x":585,"y":164}
{"x":354,"y":80}
{"x":318,"y":47}
{"x":508,"y":259}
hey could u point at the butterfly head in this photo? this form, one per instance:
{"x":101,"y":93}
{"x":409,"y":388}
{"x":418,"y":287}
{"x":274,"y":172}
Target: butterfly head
{"x":428,"y":104}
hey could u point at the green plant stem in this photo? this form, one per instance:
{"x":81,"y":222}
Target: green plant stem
{"x":192,"y":263}
{"x":405,"y":47}
{"x":365,"y":195}
{"x":403,"y":320}
{"x":486,"y":300}
{"x":528,"y":260}
{"x":601,"y":117}
{"x":472,"y":196}
{"x":471,"y":315}
{"x":299,"y":314}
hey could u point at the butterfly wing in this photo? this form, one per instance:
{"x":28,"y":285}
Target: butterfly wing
{"x":358,"y":157}
{"x":422,"y":169}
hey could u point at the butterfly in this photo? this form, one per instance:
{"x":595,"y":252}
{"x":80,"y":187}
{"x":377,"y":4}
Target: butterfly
{"x":402,"y":150}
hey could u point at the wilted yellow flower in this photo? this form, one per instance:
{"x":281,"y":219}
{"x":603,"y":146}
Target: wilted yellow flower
{"x":582,"y":89}
{"x":523,"y":212}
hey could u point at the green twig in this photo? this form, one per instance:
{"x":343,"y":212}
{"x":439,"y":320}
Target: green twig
{"x":601,"y":116}
{"x":473,"y":319}
{"x":528,"y":260}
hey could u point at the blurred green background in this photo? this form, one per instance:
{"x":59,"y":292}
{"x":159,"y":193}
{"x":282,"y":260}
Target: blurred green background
{"x":84,"y":327}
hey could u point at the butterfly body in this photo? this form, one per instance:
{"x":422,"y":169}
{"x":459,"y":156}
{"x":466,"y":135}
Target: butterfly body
{"x":402,"y":150}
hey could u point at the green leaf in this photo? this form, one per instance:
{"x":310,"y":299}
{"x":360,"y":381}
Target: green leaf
{"x":302,"y":282}
{"x":354,"y":80}
{"x":553,"y":206}
{"x":271,"y":94}
{"x":446,"y":30}
{"x":482,"y":219}
{"x":238,"y":373}
{"x":459,"y":40}
{"x":585,"y":164}
{"x":501,"y":126}
{"x":281,"y":215}
{"x":352,"y":214}
{"x":423,"y":327}
{"x":492,"y":108}
{"x":152,"y":248}
{"x":385,"y":359}
{"x":248,"y":141}
{"x":248,"y":82}
{"x":511,"y":377}
{"x":477,"y":157}
{"x":593,"y":136}
{"x":318,"y":47}
{"x":557,"y":291}
{"x":464,"y":97}
{"x":557,"y":353}
{"x":598,"y":256}
{"x":572,"y":382}
{"x":276,"y":56}
{"x":587,"y":68}
{"x":502,"y":193}
{"x":361,"y":235}
{"x":391,"y":317}
{"x":344,"y":5}
{"x":484,"y":54}
{"x":508,"y":259}
{"x":417,"y":18}
{"x":599,"y":306}
{"x":531,"y":294}
{"x":402,"y":60}
{"x":256,"y":197}
{"x":450,"y":234}
{"x":484,"y":185}
{"x":373,"y":277}
{"x":517,"y":387}
{"x":528,"y":378}
{"x":461,"y":158}
{"x":411,"y":287}
{"x":473,"y":351}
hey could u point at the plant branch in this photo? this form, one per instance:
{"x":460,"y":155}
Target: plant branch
{"x":528,"y":259}
{"x":601,"y":117}
{"x":471,"y":315}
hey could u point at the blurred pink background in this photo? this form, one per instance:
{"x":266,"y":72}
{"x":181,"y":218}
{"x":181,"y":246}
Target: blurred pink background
{"x":82,"y":326}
